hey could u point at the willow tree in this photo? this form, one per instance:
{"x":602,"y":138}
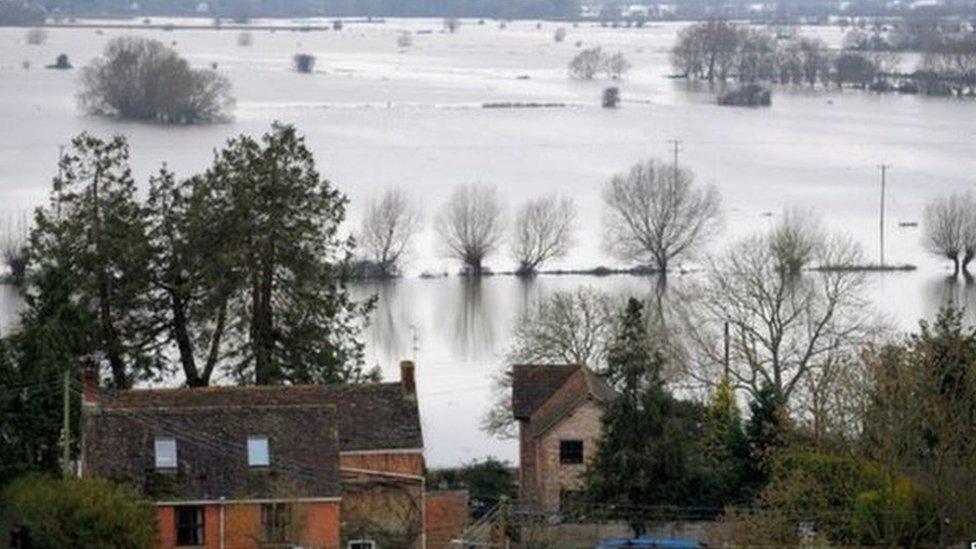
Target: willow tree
{"x":656,"y":214}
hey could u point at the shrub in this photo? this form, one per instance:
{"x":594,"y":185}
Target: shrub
{"x":750,"y":95}
{"x":405,"y":40}
{"x":78,"y":513}
{"x":611,"y":96}
{"x":245,"y":39}
{"x":141,"y":79}
{"x":337,"y":24}
{"x":61,"y":63}
{"x":304,"y":62}
{"x":36,"y":36}
{"x":560,"y":34}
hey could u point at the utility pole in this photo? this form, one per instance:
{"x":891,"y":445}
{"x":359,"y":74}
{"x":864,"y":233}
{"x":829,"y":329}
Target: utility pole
{"x":676,"y":145}
{"x":884,"y":173}
{"x":66,"y":427}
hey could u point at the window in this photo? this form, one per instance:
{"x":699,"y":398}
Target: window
{"x":165,"y":452}
{"x":257,"y":451}
{"x":276,"y":522}
{"x":570,"y":452}
{"x":361,"y":544}
{"x":189,"y":526}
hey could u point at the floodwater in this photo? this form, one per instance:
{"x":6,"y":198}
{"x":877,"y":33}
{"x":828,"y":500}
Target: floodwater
{"x":380,"y":116}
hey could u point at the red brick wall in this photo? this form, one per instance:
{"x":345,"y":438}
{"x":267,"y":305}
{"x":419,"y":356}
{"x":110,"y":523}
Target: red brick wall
{"x":319,"y":523}
{"x":445,"y":517}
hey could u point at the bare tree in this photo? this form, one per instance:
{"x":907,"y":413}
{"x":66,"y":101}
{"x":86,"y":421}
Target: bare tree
{"x":470,"y":225}
{"x":796,"y":240}
{"x":543,"y":231}
{"x":616,"y":65}
{"x":567,"y":327}
{"x":587,"y":64}
{"x":787,"y":332}
{"x":389,"y":225}
{"x":950,"y":229}
{"x":656,"y":214}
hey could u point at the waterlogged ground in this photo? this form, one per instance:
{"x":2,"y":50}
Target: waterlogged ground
{"x":378,"y":116}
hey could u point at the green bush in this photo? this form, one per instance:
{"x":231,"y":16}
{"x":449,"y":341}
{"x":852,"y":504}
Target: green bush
{"x":850,"y":501}
{"x":78,"y":513}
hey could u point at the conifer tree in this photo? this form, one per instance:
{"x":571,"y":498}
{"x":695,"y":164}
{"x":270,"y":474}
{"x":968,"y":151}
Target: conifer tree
{"x":644,"y":453}
{"x":89,"y":247}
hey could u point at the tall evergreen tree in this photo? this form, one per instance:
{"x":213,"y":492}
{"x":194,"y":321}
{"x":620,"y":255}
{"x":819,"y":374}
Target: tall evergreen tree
{"x":193,"y":271}
{"x":766,"y":433}
{"x":292,"y":316}
{"x":643,"y":457}
{"x":92,"y":237}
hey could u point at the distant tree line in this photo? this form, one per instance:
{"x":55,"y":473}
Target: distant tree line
{"x":720,"y":51}
{"x":20,"y":13}
{"x":245,"y":9}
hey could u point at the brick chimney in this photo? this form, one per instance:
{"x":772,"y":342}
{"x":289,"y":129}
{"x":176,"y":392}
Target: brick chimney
{"x":89,"y":381}
{"x":407,"y":379}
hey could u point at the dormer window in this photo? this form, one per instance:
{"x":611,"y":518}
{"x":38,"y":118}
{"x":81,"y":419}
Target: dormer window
{"x":258,"y":454}
{"x":165,"y":452}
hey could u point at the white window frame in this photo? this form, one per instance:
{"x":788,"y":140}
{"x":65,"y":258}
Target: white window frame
{"x":253,"y":451}
{"x":364,"y":543}
{"x":160,"y":444}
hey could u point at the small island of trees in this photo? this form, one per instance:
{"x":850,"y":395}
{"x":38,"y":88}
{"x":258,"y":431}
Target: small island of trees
{"x":141,"y":79}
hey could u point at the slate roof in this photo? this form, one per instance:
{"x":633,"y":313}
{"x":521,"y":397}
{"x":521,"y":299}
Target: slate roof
{"x":582,"y":385}
{"x":211,"y":448}
{"x":371,"y":416}
{"x":533,"y":384}
{"x":307,"y":427}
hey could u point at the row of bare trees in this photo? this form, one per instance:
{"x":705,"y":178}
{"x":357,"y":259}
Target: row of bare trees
{"x":655,"y":215}
{"x":471,"y":228}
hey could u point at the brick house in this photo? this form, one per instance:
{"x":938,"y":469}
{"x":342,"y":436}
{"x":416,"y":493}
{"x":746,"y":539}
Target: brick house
{"x":267,"y":466}
{"x":558,"y":409}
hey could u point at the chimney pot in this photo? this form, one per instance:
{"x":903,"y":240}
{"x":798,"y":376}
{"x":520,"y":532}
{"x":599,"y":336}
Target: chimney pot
{"x":407,"y":378}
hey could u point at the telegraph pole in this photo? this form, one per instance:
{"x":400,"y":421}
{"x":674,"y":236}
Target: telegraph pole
{"x":881,"y":232}
{"x":676,"y":145}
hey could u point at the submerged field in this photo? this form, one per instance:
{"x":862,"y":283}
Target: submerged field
{"x":379,"y":115}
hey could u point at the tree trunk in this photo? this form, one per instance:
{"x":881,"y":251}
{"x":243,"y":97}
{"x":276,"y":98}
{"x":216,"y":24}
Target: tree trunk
{"x":183,"y":341}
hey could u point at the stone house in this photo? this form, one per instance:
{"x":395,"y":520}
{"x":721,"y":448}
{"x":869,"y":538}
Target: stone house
{"x":267,"y":466}
{"x":558,"y":409}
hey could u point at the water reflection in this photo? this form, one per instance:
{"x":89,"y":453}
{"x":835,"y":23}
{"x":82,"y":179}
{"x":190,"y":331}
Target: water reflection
{"x":951,"y":291}
{"x":471,"y":320}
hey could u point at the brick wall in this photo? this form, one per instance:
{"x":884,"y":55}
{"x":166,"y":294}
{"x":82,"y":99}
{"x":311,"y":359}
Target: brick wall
{"x":318,"y":523}
{"x":582,"y":424}
{"x":527,"y":475}
{"x":445,"y":517}
{"x":394,"y":462}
